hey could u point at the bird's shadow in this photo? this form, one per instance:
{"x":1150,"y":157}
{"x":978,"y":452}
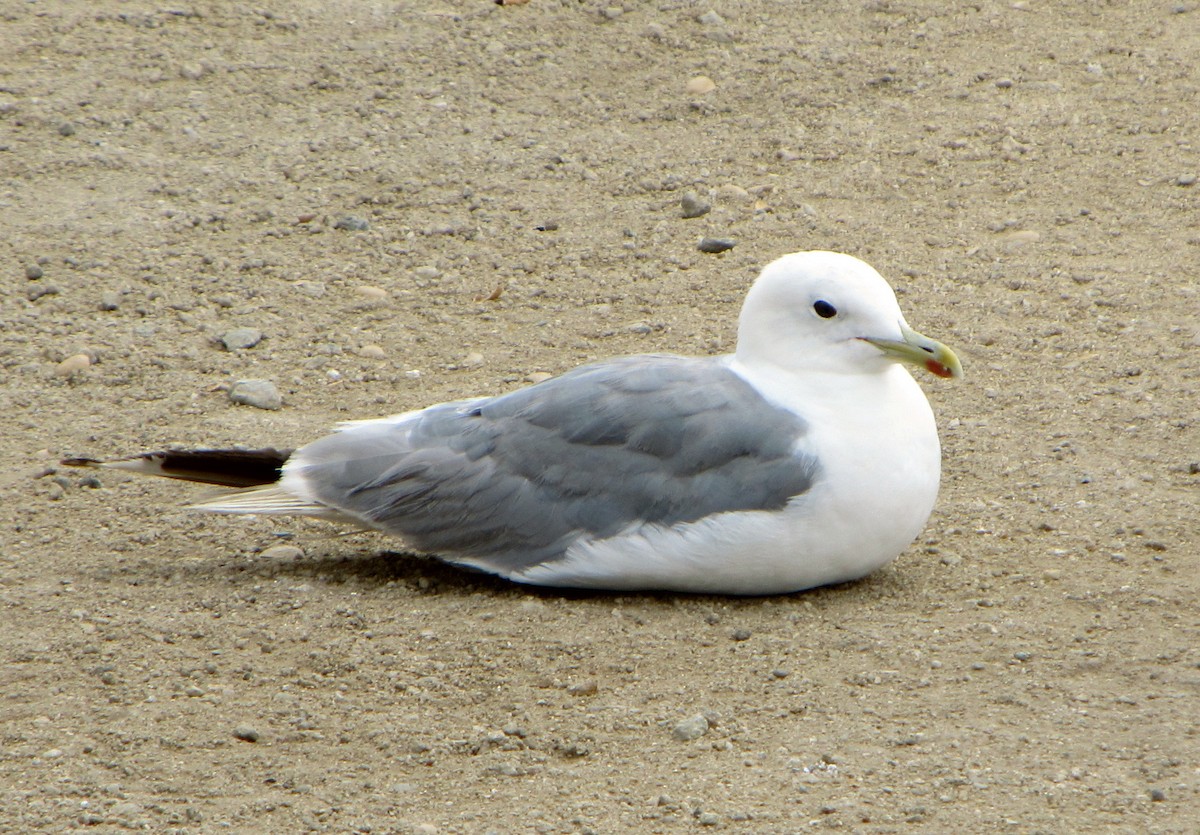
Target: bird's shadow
{"x":361,"y":559}
{"x":381,"y":569}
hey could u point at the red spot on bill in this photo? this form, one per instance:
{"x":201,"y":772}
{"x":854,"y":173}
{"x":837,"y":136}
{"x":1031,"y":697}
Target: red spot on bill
{"x":935,"y":367}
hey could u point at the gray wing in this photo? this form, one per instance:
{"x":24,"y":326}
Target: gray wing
{"x":516,"y":479}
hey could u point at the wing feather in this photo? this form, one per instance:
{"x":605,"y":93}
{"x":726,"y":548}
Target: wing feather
{"x":515,"y":480}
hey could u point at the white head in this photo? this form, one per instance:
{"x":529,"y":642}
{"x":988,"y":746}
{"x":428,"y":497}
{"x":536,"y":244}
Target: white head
{"x":825,"y":311}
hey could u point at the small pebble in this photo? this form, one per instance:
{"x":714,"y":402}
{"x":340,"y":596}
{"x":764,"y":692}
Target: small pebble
{"x":427,"y":272}
{"x":316,"y":289}
{"x":711,"y":18}
{"x":352,"y":223}
{"x":691,"y":728}
{"x":72,"y":364}
{"x":693,"y":206}
{"x":372,"y":352}
{"x":193,"y":691}
{"x":240,"y":338}
{"x":245,"y":733}
{"x":714,"y":245}
{"x":1020,"y":237}
{"x":508,"y":770}
{"x":734,"y":193}
{"x":1158,"y":795}
{"x":708,"y":818}
{"x":36,"y":292}
{"x":66,"y":129}
{"x":283,"y":552}
{"x":374,"y":293}
{"x":741,"y":634}
{"x":573,"y":749}
{"x":110,"y":301}
{"x":261,"y":394}
{"x":1185,"y":180}
{"x":125,"y":810}
{"x":538,"y":376}
{"x":584,"y":688}
{"x":192,"y":71}
{"x":700,"y":85}
{"x":33,"y":272}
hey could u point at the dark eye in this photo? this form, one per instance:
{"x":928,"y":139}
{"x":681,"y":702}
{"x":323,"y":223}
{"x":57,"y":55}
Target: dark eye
{"x":824,"y":309}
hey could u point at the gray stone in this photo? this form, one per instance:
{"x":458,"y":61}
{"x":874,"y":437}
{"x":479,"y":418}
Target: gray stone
{"x":691,"y":728}
{"x":693,"y":206}
{"x":245,"y":733}
{"x":316,"y":289}
{"x":352,"y":223}
{"x":128,"y":809}
{"x":714,"y":245}
{"x":240,"y":338}
{"x":261,"y":394}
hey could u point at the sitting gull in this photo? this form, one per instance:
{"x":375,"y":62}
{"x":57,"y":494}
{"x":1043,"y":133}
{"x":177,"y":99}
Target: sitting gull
{"x":809,"y":456}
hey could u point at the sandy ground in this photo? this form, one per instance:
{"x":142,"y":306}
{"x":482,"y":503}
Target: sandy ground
{"x":1022,"y":172}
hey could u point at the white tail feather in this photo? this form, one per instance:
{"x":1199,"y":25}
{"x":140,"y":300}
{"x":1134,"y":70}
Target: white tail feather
{"x":271,"y":500}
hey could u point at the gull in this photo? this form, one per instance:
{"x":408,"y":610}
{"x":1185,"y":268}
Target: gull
{"x":808,"y":456}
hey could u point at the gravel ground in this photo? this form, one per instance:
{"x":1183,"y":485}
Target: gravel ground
{"x":366,"y":208}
